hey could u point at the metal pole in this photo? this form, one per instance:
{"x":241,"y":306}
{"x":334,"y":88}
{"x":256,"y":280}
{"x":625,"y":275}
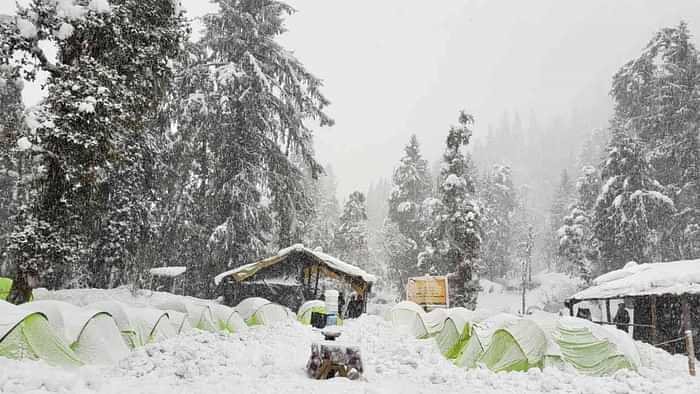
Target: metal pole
{"x":691,"y":352}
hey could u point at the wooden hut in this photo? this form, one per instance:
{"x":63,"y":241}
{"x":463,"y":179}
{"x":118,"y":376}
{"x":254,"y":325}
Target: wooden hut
{"x":292,"y":276}
{"x":664,"y":298}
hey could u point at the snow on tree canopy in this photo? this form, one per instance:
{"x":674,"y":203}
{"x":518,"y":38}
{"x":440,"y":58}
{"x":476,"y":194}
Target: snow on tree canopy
{"x":100,"y":6}
{"x":634,"y":279}
{"x":23,"y":144}
{"x":26,"y":28}
{"x":65,"y":31}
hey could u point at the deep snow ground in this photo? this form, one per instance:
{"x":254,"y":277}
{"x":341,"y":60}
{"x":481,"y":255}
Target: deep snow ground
{"x":272,"y":360}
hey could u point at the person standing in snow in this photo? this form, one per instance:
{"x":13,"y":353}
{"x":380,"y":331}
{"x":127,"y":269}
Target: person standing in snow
{"x":622,"y":318}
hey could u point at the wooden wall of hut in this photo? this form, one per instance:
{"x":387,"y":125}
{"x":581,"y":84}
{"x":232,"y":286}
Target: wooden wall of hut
{"x":668,"y":320}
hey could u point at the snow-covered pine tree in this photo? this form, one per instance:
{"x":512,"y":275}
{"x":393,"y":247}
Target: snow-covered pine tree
{"x":564,"y":196}
{"x":453,"y":239}
{"x":326,"y":212}
{"x":350,"y":240}
{"x":411,"y":186}
{"x":498,"y":209}
{"x":574,"y":244}
{"x":631,"y":214}
{"x":657,"y":99}
{"x":577,"y":244}
{"x":241,"y":109}
{"x":93,"y":139}
{"x":14,"y":155}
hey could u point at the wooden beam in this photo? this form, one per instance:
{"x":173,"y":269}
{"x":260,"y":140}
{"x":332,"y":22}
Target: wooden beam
{"x":685,"y":313}
{"x":654,"y":332}
{"x":318,"y":273}
{"x":607,"y":310}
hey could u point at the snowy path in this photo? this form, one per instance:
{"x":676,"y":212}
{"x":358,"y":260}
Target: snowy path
{"x":271,"y":360}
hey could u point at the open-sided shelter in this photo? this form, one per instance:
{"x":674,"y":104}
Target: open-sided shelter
{"x":664,"y":297}
{"x":292,"y":276}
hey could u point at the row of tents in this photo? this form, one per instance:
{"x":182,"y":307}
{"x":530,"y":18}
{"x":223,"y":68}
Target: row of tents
{"x":505,"y":342}
{"x":104,"y":332}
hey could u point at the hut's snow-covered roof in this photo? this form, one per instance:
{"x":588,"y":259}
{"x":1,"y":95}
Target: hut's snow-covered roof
{"x":677,"y":277}
{"x":331,"y":262}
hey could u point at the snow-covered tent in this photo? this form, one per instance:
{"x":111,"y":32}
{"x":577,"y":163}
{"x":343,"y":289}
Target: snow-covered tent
{"x":27,"y":335}
{"x":179,"y":322}
{"x":457,"y":330}
{"x":304,"y":313}
{"x":480,"y":339}
{"x":92,"y":334}
{"x":199,"y":315}
{"x":520,"y":345}
{"x":153,"y":324}
{"x":593,"y":349}
{"x":227,"y":318}
{"x":410,"y":319}
{"x":259,"y":311}
{"x":128,"y":327}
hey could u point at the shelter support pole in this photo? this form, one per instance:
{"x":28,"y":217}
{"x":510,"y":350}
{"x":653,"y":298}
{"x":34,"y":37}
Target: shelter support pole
{"x":571,"y":309}
{"x":690,"y":347}
{"x":318,"y":273}
{"x":607,"y":310}
{"x":653,"y":320}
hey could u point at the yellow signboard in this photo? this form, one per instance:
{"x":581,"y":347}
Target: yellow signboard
{"x":428,"y":290}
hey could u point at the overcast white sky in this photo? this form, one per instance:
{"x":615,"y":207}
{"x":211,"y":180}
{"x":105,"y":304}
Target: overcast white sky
{"x":397,"y":67}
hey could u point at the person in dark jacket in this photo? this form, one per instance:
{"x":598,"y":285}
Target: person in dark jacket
{"x":622,"y":318}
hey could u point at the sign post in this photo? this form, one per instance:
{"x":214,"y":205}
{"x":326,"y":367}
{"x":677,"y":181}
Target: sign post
{"x":428,"y":291}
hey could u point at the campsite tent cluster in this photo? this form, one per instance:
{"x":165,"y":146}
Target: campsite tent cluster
{"x":105,"y":330}
{"x":506,"y":342}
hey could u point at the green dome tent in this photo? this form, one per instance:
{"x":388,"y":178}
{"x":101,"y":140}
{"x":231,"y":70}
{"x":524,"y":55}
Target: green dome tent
{"x":409,"y":318}
{"x":152,"y":324}
{"x":593,"y":349}
{"x":179,"y":322}
{"x":138,"y":326}
{"x":305,"y":310}
{"x":128,"y":328}
{"x":518,"y":346}
{"x":259,"y":311}
{"x":27,"y":335}
{"x":456,"y":331}
{"x":480,"y":339}
{"x":198,"y":315}
{"x":227,"y":318}
{"x":92,"y":334}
